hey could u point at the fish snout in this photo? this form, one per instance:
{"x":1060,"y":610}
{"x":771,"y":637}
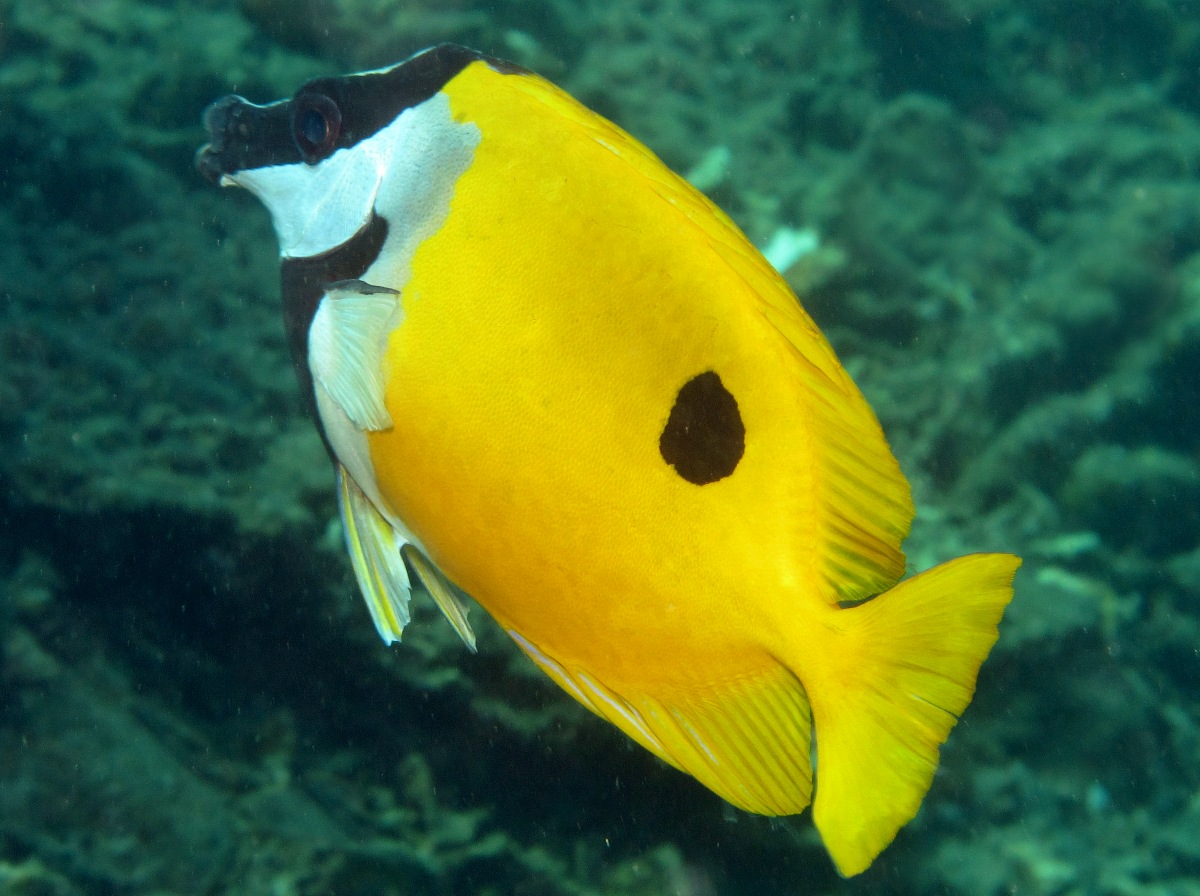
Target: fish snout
{"x":218,"y":119}
{"x":242,"y":135}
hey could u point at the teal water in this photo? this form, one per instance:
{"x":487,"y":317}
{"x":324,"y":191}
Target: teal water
{"x":192,"y":696}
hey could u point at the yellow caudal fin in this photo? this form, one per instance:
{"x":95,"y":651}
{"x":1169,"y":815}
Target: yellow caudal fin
{"x":901,"y":671}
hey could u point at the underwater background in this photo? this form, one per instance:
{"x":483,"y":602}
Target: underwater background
{"x":1003,"y":208}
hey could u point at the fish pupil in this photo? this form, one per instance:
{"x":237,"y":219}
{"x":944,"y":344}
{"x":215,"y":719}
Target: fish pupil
{"x":313,"y":127}
{"x":704,"y":438}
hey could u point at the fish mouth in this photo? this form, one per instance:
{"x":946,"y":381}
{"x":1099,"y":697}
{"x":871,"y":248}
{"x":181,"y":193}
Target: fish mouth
{"x":243,"y":136}
{"x":210,"y":158}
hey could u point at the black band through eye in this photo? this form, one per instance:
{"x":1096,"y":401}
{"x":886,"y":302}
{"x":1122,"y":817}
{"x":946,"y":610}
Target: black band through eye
{"x":316,"y":126}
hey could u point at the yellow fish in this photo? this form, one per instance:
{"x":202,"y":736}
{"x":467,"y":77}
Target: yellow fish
{"x":552,"y":373}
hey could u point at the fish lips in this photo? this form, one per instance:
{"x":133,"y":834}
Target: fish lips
{"x":244,"y":136}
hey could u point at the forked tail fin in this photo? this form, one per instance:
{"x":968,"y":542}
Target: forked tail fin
{"x":902,"y":670}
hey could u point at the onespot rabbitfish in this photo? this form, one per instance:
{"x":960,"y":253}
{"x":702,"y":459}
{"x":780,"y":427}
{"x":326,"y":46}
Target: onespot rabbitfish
{"x":552,"y":373}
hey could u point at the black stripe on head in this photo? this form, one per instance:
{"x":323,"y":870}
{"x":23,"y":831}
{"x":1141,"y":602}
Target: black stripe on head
{"x":352,"y":107}
{"x":304,"y":281}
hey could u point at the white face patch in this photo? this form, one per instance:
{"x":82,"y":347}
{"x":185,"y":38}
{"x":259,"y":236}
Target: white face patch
{"x":405,"y":172}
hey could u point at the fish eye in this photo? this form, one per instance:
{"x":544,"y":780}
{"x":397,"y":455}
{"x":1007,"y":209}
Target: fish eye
{"x":316,"y":126}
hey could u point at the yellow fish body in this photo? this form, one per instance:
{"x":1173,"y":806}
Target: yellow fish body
{"x":552,"y":373}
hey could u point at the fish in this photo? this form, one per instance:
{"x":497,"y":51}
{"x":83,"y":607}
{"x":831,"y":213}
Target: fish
{"x":553,"y":376}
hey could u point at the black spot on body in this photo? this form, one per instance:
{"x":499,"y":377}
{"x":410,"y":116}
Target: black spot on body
{"x":704,"y":438}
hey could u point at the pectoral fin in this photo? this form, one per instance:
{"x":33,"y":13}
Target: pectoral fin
{"x":440,"y":588}
{"x":374,"y":548}
{"x":347,"y":341}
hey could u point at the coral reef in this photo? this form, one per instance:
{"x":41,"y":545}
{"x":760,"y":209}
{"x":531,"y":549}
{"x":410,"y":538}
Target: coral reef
{"x":192,"y":699}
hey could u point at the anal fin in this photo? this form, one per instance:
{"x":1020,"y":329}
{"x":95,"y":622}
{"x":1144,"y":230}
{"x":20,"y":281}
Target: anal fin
{"x":374,"y":549}
{"x":443,"y":592}
{"x":747,"y":741}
